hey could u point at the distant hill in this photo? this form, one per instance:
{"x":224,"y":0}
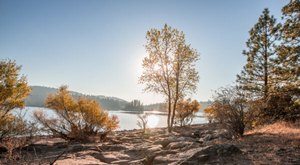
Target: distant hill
{"x":39,"y":94}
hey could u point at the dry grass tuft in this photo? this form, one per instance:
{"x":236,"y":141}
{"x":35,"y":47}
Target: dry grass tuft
{"x":281,"y":128}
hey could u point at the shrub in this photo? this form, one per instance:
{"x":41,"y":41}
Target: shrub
{"x":186,"y":110}
{"x":15,"y":132}
{"x":228,"y":108}
{"x":75,"y":119}
{"x":143,"y":121}
{"x":282,"y":106}
{"x":13,"y":91}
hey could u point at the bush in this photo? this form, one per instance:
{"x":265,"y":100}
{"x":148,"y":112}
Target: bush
{"x":228,"y":108}
{"x":13,"y":91}
{"x":15,"y":132}
{"x":281,"y":106}
{"x":186,"y":110}
{"x":75,"y":119}
{"x":143,"y":121}
{"x":276,"y":107}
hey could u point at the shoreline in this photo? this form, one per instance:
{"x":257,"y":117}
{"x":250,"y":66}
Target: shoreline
{"x":278,"y":143}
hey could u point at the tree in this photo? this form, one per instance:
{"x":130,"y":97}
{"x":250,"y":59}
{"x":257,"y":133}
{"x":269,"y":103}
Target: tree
{"x":286,"y":101}
{"x":143,"y":121}
{"x":134,"y":105}
{"x":75,"y":119}
{"x":228,"y":108}
{"x":288,"y":61}
{"x":257,"y":76}
{"x":13,"y":90}
{"x":169,"y":68}
{"x":186,"y":110}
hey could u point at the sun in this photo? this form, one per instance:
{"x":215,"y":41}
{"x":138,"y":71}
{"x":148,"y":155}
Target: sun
{"x":152,"y":121}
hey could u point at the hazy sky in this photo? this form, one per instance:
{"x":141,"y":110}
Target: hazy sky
{"x":97,"y":46}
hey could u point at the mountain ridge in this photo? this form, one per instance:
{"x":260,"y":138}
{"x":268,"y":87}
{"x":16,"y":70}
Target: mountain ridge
{"x":39,"y":94}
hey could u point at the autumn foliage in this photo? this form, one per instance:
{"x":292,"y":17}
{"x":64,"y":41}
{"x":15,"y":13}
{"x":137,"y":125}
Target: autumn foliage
{"x":186,"y":110}
{"x":228,"y":108}
{"x":75,"y":119}
{"x":13,"y":91}
{"x":169,"y":68}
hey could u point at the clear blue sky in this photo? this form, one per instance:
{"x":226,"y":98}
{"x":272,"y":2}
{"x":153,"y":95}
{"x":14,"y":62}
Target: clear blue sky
{"x":97,"y":47}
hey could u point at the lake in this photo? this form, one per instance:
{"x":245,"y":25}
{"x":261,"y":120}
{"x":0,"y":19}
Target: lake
{"x":127,"y":120}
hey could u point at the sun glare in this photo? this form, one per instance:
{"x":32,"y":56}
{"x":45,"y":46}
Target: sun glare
{"x":152,"y":121}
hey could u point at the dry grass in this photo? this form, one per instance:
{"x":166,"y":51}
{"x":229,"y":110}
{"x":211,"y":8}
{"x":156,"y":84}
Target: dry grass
{"x":279,"y":128}
{"x":277,"y":143}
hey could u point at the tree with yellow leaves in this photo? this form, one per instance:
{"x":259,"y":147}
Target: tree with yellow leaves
{"x":186,"y":110}
{"x":169,"y":68}
{"x":75,"y":119}
{"x":13,"y":90}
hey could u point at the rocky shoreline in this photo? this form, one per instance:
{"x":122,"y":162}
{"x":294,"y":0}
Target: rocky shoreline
{"x":196,"y":144}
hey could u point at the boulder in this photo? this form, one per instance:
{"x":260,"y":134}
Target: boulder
{"x":109,"y":157}
{"x":178,"y":145}
{"x":210,"y":153}
{"x":165,"y":142}
{"x":154,"y":149}
{"x":115,"y":147}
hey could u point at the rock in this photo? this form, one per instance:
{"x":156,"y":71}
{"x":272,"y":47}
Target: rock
{"x":154,"y":149}
{"x":202,"y":155}
{"x":181,"y":139}
{"x":185,"y":139}
{"x":121,"y":162}
{"x":197,"y":134}
{"x":167,"y":159}
{"x":84,"y":160}
{"x":222,"y":134}
{"x":109,"y":157}
{"x":115,"y":147}
{"x":76,"y":147}
{"x":165,"y":142}
{"x":136,"y":162}
{"x":178,"y":145}
{"x":218,"y":134}
{"x":208,"y":138}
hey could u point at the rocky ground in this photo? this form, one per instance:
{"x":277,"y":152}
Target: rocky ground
{"x":198,"y":144}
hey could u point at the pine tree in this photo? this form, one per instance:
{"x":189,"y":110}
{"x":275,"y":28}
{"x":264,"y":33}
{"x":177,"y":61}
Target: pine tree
{"x":257,"y":75}
{"x":285,"y":102}
{"x":288,"y":62}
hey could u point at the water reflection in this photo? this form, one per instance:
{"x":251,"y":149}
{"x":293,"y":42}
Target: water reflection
{"x":128,"y":121}
{"x":152,"y":121}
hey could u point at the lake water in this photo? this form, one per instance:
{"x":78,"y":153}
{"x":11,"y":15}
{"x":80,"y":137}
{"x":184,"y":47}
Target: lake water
{"x":127,"y":121}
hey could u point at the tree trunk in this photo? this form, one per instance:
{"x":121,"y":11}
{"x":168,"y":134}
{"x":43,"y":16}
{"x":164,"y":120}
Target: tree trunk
{"x":177,"y":93}
{"x":169,"y":114}
{"x":266,"y":85}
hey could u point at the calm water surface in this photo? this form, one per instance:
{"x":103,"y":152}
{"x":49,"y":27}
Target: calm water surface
{"x":127,"y":120}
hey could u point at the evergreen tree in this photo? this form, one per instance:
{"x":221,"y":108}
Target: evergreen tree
{"x":288,"y":62}
{"x":257,"y":75}
{"x":285,"y":102}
